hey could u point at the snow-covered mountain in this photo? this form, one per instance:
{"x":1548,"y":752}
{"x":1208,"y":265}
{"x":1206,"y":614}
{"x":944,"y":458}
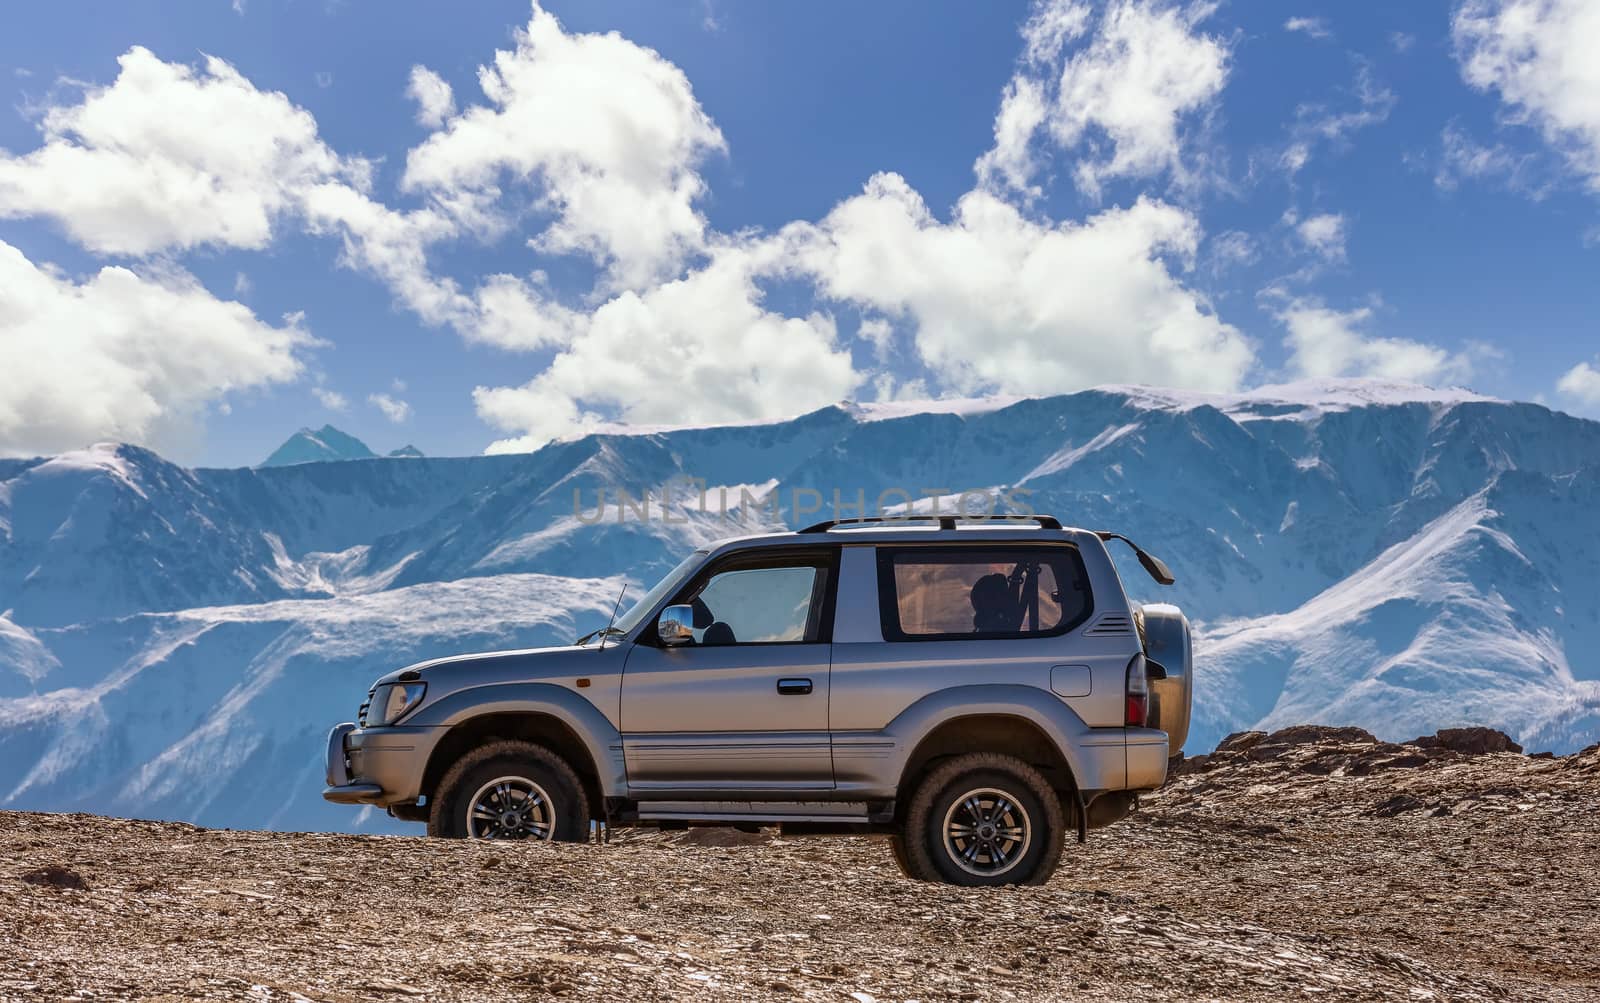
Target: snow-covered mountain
{"x":176,"y":642}
{"x":326,"y":443}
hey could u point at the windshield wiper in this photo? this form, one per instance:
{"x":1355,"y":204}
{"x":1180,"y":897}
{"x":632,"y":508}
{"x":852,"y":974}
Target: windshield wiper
{"x":601,"y":632}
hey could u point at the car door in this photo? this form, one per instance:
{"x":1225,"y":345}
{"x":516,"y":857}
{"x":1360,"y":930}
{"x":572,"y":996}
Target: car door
{"x":744,"y":707}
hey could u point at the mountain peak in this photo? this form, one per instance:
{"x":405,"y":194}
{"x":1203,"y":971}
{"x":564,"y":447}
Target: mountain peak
{"x":326,"y":443}
{"x":408,"y":451}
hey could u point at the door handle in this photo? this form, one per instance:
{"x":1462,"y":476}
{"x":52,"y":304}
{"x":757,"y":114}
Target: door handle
{"x":794,"y":687}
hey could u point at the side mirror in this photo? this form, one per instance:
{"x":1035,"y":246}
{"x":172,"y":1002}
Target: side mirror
{"x":676,"y":626}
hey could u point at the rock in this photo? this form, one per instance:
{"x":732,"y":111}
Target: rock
{"x":1318,"y":734}
{"x":721,"y":836}
{"x":1398,"y":805}
{"x":56,"y":876}
{"x":1241,"y":741}
{"x":1385,"y":761}
{"x":1470,"y":741}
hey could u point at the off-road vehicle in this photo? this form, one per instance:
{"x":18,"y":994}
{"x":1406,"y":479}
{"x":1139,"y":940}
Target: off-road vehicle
{"x":975,"y":690}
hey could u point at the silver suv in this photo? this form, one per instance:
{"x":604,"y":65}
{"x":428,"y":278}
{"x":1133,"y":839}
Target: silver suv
{"x":972,"y":689}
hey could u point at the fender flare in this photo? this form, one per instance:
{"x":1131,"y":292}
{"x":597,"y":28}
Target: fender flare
{"x":1059,"y":722}
{"x":599,"y":737}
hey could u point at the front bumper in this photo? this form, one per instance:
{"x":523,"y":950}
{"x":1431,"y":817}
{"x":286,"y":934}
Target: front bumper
{"x":378,"y":766}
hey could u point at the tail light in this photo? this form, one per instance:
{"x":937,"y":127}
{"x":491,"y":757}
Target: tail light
{"x":1138,"y":700}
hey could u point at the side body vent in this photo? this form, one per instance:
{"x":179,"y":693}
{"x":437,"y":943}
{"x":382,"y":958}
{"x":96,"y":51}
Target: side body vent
{"x":1110,"y":625}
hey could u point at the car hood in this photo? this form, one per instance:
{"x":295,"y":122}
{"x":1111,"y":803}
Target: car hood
{"x":526,"y":664}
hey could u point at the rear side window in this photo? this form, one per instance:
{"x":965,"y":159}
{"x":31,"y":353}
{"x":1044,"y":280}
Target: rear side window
{"x":967,"y":592}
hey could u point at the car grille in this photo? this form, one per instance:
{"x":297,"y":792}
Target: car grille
{"x":361,"y":715}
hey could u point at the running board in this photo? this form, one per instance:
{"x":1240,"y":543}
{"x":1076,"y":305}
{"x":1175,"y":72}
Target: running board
{"x":755,"y":811}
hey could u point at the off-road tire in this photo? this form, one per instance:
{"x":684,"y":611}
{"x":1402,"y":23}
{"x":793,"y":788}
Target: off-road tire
{"x":902,"y":860}
{"x":939,"y":794}
{"x":570,"y":807}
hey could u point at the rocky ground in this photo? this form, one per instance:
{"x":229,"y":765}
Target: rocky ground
{"x":1312,"y":863}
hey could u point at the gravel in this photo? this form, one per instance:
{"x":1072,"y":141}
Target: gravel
{"x":1311,"y":864}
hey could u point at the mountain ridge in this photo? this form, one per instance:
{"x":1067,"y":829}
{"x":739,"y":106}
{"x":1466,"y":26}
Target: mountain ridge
{"x":1399,"y":559}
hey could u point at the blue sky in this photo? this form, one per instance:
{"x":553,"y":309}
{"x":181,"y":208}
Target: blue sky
{"x":731,"y":212}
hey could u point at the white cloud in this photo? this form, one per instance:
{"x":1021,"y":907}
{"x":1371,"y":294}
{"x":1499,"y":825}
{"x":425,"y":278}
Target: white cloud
{"x":1324,"y":234}
{"x":886,"y":388}
{"x":990,"y":301}
{"x":1027,"y":98}
{"x":878,"y":333}
{"x":1540,"y":55}
{"x":435,"y":100}
{"x":1144,"y":70}
{"x":708,"y":19}
{"x":1582,"y":383}
{"x":1401,"y":42}
{"x":324,"y":78}
{"x":1050,"y":26}
{"x":1325,"y":342}
{"x":134,"y":356}
{"x":509,"y":312}
{"x":504,"y":311}
{"x":1317,"y":123}
{"x":393,"y":408}
{"x":392,"y":245}
{"x":1120,"y":101}
{"x":242,"y":285}
{"x":1232,"y":248}
{"x":333,"y":400}
{"x":1003,"y":302}
{"x":700,"y":349}
{"x":1463,"y":158}
{"x":1011,"y":163}
{"x":609,"y":139}
{"x":1315,"y":27}
{"x":169,"y":157}
{"x":609,"y":131}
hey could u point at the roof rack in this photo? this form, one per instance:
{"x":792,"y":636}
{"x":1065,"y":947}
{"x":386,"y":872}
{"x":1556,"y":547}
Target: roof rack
{"x":944,"y":521}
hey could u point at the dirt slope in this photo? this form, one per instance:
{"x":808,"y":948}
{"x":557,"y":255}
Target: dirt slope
{"x":1312,"y":864}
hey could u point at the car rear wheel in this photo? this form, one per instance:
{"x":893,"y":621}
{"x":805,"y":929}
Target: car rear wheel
{"x":510,"y":790}
{"x":984,"y":819}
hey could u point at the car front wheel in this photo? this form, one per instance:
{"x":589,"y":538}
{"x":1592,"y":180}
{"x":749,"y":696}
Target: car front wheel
{"x":984,"y":819}
{"x":510,"y":790}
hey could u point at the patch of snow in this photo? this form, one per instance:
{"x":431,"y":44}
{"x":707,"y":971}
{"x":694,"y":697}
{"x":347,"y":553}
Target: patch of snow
{"x":1065,"y":459}
{"x":1301,"y":400}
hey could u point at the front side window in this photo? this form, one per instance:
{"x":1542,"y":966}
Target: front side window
{"x":668,"y":584}
{"x":971,"y":592}
{"x":758,"y":606}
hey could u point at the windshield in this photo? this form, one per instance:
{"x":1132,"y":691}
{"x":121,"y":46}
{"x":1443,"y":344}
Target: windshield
{"x":665,"y":587}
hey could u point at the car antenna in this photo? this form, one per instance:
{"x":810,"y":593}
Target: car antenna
{"x":607,"y":632}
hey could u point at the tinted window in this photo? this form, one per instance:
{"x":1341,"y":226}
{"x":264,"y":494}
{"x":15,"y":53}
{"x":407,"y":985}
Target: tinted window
{"x":979,"y":592}
{"x":758,"y":606}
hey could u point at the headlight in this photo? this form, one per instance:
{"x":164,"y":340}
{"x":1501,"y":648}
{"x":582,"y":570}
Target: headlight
{"x":394,"y":701}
